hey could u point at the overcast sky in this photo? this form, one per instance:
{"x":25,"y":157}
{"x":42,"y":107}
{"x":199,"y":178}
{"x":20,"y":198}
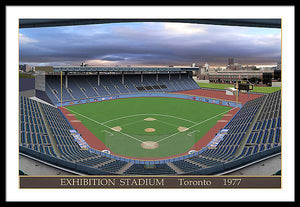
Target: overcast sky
{"x":140,"y":44}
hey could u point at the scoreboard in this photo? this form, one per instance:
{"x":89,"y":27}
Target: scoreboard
{"x":243,"y":86}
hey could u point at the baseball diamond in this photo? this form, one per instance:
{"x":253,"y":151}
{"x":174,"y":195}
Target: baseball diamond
{"x":128,"y":121}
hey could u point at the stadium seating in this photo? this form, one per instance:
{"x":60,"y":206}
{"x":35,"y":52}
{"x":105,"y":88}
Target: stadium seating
{"x":83,"y":87}
{"x":255,"y":128}
{"x":33,"y":133}
{"x":237,"y":128}
{"x":159,"y":169}
{"x":186,"y":166}
{"x":265,"y":133}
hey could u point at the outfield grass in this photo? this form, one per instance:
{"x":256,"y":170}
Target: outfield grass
{"x":129,"y":114}
{"x":257,"y":89}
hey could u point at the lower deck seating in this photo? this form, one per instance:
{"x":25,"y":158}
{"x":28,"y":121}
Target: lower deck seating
{"x":141,"y":169}
{"x":33,"y":133}
{"x":265,"y":133}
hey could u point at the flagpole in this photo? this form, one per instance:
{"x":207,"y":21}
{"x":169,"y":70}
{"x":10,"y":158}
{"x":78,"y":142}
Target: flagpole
{"x":237,"y":92}
{"x":60,"y":88}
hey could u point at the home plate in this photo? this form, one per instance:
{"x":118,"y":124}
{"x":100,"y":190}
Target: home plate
{"x":149,"y":145}
{"x":149,"y":119}
{"x":116,"y":128}
{"x":182,"y":129}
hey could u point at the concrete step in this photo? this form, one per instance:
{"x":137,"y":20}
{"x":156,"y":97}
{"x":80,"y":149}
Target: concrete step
{"x":175,"y":168}
{"x":124,"y":168}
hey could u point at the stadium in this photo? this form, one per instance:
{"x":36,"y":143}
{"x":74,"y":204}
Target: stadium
{"x":144,"y":121}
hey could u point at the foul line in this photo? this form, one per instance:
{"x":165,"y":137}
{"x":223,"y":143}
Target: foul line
{"x":195,"y":125}
{"x":103,"y":124}
{"x":149,"y":114}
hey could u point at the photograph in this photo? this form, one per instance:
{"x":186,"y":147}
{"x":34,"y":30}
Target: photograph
{"x":150,"y":103}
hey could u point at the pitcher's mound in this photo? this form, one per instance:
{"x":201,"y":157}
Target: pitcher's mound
{"x":149,"y":145}
{"x":149,"y":119}
{"x":117,"y":128}
{"x":182,"y":129}
{"x":150,"y":130}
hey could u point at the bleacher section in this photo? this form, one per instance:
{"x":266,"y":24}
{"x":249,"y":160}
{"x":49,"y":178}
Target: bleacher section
{"x":33,"y":133}
{"x":86,"y":86}
{"x":255,"y":128}
{"x":265,"y":133}
{"x":237,"y":128}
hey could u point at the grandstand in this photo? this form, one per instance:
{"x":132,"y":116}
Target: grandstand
{"x":251,"y":134}
{"x":114,"y":81}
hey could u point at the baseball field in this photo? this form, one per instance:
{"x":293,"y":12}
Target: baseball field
{"x":149,"y":127}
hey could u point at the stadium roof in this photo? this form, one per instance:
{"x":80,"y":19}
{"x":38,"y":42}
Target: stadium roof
{"x":267,"y":23}
{"x":122,"y":69}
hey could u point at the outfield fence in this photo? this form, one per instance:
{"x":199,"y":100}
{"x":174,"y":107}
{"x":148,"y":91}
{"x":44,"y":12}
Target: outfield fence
{"x":167,"y":95}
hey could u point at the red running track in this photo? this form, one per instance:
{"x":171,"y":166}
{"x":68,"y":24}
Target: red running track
{"x":214,"y":130}
{"x":243,"y":97}
{"x":85,"y":133}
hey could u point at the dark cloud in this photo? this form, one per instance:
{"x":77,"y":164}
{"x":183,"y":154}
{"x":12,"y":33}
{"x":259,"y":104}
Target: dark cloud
{"x":149,"y":44}
{"x":113,"y":58}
